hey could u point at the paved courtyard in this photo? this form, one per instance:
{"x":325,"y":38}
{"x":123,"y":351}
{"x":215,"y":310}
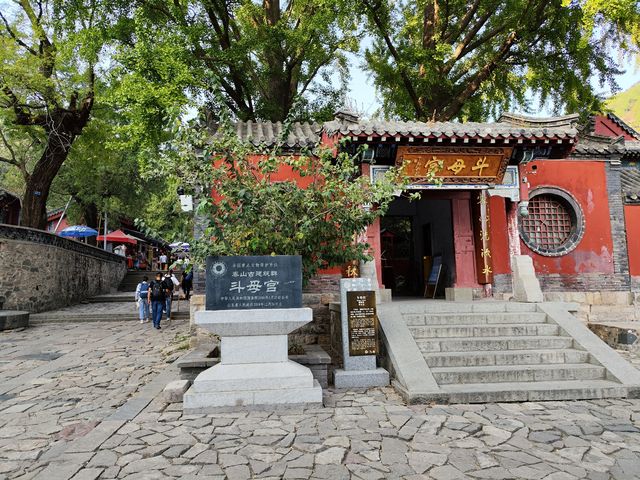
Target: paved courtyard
{"x":83,"y":401}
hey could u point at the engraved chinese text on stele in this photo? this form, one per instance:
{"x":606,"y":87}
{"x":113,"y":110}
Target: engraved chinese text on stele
{"x":254,"y":282}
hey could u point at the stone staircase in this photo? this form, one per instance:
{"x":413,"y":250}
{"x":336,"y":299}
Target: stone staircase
{"x":501,"y":351}
{"x":133,"y":278}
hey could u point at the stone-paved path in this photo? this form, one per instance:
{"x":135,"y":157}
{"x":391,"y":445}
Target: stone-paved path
{"x":49,"y":409}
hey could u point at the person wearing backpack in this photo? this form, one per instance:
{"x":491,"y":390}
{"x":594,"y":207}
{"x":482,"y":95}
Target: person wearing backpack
{"x":157,"y":297}
{"x":170,"y":282}
{"x":142,"y":292}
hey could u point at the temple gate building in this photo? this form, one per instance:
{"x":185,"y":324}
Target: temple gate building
{"x":566,"y":194}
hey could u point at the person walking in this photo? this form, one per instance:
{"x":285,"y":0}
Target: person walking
{"x":170,"y":282}
{"x":187,"y":283}
{"x":156,"y":297}
{"x":142,"y":292}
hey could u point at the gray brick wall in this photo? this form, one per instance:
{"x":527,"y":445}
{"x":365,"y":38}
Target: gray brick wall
{"x":584,"y":282}
{"x":618,"y":232}
{"x":502,"y":283}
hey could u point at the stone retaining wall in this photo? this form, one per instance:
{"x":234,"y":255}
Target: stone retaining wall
{"x":41,"y":271}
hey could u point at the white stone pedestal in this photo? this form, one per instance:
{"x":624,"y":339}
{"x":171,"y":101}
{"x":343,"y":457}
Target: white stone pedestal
{"x":254,"y":368}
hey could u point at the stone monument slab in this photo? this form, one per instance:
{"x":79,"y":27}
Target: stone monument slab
{"x":359,"y":342}
{"x":252,"y":304}
{"x":254,"y":282}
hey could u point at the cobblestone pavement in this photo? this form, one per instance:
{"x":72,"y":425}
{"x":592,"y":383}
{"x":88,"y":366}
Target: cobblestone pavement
{"x":109,"y":308}
{"x":50,"y":409}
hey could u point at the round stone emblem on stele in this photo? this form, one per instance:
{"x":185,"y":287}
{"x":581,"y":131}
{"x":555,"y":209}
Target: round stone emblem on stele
{"x":218,"y":269}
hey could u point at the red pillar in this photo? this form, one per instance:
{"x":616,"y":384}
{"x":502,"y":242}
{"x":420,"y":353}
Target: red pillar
{"x":500,"y":249}
{"x":463,"y":244}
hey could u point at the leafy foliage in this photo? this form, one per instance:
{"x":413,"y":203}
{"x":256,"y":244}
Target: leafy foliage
{"x":446,"y":59}
{"x":263,"y":56}
{"x":317,"y":210}
{"x":49,"y":53}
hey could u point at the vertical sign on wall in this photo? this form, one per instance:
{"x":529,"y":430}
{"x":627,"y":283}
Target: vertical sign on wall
{"x":484,"y":262}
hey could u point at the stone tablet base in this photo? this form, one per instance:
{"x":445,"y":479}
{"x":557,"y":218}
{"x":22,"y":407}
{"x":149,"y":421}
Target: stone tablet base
{"x":253,"y":384}
{"x":211,"y":401}
{"x":254,"y":369}
{"x":360,"y":378}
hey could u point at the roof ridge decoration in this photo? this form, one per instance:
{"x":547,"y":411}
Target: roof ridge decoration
{"x":570,"y":120}
{"x":345,"y":114}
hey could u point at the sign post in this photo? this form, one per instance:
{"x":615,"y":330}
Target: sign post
{"x":252,"y":304}
{"x":360,"y":343}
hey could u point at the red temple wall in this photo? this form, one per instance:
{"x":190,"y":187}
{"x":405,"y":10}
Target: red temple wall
{"x":586,"y":182}
{"x":632,"y":221}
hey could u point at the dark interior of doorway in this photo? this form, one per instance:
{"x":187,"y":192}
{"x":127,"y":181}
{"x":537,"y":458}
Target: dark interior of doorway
{"x":412,"y":235}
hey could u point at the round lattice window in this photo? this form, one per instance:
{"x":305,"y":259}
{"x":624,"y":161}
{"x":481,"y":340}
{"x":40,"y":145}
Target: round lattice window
{"x":555,"y":223}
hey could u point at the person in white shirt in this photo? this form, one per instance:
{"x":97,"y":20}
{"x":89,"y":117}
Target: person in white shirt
{"x":163,"y":262}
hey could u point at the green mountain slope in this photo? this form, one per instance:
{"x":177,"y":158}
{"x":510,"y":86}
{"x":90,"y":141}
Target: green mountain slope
{"x":627,"y":105}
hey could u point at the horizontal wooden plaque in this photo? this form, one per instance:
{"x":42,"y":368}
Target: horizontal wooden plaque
{"x":455,"y":165}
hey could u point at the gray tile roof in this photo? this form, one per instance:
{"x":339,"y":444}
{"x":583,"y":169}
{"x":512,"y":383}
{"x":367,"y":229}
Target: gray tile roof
{"x":449,"y":129}
{"x":267,"y":133}
{"x":630,"y":179}
{"x":625,"y":126}
{"x":606,"y":146}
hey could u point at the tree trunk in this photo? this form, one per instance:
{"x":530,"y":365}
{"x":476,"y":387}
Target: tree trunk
{"x":36,"y":194}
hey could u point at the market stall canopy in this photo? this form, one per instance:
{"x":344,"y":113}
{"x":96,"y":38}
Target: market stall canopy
{"x":180,"y":246}
{"x":118,"y":236}
{"x":78,"y":231}
{"x":158,"y":242}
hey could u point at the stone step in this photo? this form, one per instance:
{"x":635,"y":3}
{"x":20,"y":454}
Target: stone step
{"x":473,"y":318}
{"x":531,"y":391}
{"x":509,"y":357}
{"x":440,"y":306}
{"x":517,"y":373}
{"x":471,"y":331}
{"x":493,"y":343}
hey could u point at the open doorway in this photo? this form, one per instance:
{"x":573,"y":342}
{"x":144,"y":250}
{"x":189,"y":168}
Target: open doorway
{"x":412,"y":234}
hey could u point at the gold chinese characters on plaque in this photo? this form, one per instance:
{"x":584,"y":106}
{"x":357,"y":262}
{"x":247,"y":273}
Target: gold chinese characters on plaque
{"x":455,"y":165}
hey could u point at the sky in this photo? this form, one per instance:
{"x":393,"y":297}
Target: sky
{"x":363,"y":93}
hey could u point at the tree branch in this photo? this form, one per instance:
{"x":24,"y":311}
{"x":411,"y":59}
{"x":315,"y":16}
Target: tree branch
{"x":395,"y":54}
{"x":16,"y":38}
{"x":464,"y":23}
{"x":476,"y":81}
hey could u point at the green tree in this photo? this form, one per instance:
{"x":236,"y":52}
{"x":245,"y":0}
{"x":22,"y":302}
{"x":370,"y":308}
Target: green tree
{"x":49,"y":52}
{"x":103,"y":176}
{"x":261,"y":55}
{"x":446,"y":59}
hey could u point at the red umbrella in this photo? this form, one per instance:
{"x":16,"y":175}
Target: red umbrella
{"x":118,"y":236}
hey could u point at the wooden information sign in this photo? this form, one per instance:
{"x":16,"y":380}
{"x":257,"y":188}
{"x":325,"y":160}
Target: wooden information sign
{"x":363,"y":323}
{"x":455,"y":165}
